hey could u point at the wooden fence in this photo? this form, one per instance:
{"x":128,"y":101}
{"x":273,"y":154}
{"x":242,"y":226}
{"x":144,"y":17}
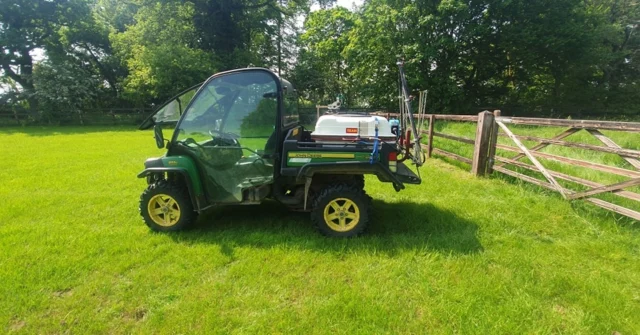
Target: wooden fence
{"x":105,"y":116}
{"x":485,"y":160}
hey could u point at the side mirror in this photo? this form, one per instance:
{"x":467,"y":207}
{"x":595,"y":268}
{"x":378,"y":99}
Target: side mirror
{"x":157,"y":134}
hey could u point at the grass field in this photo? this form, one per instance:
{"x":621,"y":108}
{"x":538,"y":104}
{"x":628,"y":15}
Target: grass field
{"x":456,"y":254}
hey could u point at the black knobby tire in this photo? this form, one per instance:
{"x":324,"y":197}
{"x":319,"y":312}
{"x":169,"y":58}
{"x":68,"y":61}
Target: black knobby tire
{"x":359,"y":181}
{"x":351,"y":199}
{"x":177,"y":200}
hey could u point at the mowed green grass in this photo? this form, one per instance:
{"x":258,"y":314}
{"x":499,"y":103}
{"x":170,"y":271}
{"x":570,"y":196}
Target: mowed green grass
{"x":457,"y":254}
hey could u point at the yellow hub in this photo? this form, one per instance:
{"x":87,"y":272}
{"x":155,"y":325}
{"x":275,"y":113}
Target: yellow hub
{"x":341,"y":214}
{"x":164,"y":210}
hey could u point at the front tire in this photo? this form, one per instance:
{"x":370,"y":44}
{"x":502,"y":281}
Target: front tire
{"x":341,"y":211}
{"x":166,"y":206}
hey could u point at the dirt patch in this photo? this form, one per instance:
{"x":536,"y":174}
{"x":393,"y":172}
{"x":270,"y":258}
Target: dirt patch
{"x":63,"y":293}
{"x":16,"y":325}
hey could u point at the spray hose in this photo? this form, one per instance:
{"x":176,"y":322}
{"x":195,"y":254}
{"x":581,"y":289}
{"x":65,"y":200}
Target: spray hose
{"x":374,"y":153}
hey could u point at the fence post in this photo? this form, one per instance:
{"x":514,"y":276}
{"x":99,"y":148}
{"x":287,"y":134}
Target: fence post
{"x":430,"y":140}
{"x":483,"y":139}
{"x":494,"y":141}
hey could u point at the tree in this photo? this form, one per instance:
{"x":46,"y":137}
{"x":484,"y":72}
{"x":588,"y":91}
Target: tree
{"x":521,"y":56}
{"x":86,"y":43}
{"x":375,"y":44}
{"x":559,"y":57}
{"x":616,"y":67}
{"x":27,"y":26}
{"x":322,"y":70}
{"x":161,"y":52}
{"x":74,"y":45}
{"x":243,"y":32}
{"x":65,"y":89}
{"x":174,"y":44}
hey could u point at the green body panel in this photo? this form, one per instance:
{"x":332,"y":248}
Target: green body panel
{"x":187,"y":164}
{"x":300,"y":158}
{"x":228,"y":170}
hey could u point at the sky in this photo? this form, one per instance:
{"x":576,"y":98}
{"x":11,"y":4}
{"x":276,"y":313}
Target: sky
{"x":349,"y":3}
{"x":343,"y":3}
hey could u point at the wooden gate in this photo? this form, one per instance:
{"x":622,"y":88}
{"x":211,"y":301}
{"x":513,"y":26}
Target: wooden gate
{"x":485,"y":161}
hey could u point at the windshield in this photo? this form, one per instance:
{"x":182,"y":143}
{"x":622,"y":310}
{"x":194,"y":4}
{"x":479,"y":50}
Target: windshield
{"x":229,"y":129}
{"x":237,"y":105}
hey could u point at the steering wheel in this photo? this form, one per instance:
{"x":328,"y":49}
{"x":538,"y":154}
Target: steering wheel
{"x":215,"y":133}
{"x":189,"y":140}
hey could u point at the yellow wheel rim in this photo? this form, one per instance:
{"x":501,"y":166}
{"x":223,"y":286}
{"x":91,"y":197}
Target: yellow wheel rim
{"x":341,"y":214}
{"x":164,"y":210}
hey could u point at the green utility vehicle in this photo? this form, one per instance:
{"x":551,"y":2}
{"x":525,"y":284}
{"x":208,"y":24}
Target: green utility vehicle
{"x":238,"y":141}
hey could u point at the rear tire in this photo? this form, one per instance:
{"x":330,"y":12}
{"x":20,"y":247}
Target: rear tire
{"x":359,"y":181}
{"x":166,"y":206}
{"x":341,"y":210}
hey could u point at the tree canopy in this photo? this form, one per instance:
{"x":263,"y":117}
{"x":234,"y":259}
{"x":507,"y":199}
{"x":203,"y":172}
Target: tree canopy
{"x":543,"y":57}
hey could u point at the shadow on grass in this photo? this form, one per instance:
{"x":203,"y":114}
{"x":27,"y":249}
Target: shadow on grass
{"x":65,"y":130}
{"x":394,"y":228}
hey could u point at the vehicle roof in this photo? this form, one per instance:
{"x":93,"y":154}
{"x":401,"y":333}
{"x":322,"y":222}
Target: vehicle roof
{"x":285,"y":83}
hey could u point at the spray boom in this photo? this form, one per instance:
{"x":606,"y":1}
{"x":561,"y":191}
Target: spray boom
{"x":412,"y":150}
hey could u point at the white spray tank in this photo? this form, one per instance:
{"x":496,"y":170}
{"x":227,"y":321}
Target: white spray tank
{"x":352,"y":127}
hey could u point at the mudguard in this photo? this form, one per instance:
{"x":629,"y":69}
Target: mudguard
{"x":181,"y":165}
